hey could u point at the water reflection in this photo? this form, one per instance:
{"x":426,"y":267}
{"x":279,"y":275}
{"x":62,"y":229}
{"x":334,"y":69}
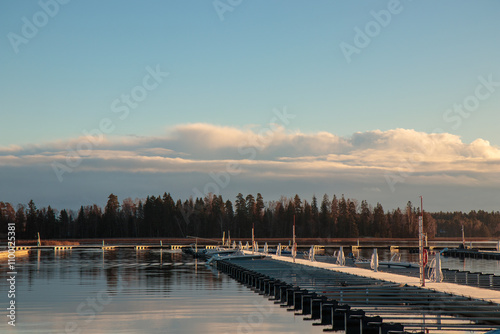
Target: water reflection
{"x":129,"y":291}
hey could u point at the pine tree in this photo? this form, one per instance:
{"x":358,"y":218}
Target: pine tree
{"x":324,"y":217}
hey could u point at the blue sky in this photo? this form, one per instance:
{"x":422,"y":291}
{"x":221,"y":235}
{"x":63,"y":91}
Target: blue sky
{"x":229,"y":75}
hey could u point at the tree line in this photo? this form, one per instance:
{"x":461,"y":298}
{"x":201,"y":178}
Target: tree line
{"x":162,"y":216}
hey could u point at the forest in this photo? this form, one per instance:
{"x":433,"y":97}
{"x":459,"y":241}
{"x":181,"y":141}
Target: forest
{"x":162,"y":216}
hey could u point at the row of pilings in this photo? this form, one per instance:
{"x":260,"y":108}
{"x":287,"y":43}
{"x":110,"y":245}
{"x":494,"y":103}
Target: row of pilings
{"x":358,"y":304}
{"x":313,"y":306}
{"x":471,"y":253}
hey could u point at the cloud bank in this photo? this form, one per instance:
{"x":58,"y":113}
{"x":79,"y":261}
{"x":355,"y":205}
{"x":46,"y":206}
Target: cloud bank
{"x":192,"y":159}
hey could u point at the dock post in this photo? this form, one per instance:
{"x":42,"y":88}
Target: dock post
{"x":439,"y":273}
{"x":374,"y":262}
{"x":341,"y":258}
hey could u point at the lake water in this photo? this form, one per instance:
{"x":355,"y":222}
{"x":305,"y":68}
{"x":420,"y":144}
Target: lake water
{"x":467,"y":264}
{"x":128,"y":291}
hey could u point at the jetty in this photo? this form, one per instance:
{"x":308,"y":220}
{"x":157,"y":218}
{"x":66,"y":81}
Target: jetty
{"x":358,"y":300}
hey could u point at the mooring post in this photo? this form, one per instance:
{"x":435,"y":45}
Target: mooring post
{"x":439,"y":273}
{"x":341,"y":257}
{"x":374,"y":262}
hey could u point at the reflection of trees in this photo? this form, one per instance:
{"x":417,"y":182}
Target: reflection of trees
{"x":151,"y":271}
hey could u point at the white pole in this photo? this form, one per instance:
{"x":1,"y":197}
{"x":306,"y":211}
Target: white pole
{"x":463,"y":236}
{"x":421,"y":242}
{"x":374,"y":262}
{"x":439,"y":273}
{"x":341,"y":257}
{"x":294,"y":246}
{"x":253,"y":240}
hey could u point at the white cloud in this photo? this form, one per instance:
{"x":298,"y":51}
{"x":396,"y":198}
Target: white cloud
{"x":364,"y":158}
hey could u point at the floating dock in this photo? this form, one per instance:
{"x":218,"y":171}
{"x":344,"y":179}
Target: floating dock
{"x":358,"y":300}
{"x":471,"y":253}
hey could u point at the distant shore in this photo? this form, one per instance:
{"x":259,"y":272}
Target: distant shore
{"x":215,"y":241}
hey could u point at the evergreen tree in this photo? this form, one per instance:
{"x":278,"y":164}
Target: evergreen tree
{"x":241,"y":217}
{"x":314,"y":217}
{"x":352,"y":219}
{"x":110,"y":223}
{"x":64,"y":224}
{"x":31,"y":218}
{"x":343,"y":222}
{"x":324,"y":217}
{"x":365,"y":220}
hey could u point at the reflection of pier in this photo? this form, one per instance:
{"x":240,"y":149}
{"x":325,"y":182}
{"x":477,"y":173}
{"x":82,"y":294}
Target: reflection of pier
{"x":362,"y":301}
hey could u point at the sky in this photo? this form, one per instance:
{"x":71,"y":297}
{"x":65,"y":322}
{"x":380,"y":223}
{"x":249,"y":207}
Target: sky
{"x":378,"y":100}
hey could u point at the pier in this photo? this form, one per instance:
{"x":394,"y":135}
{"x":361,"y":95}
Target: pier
{"x":472,"y":253}
{"x":359,"y":300}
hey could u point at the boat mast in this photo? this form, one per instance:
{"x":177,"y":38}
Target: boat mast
{"x":294,"y":245}
{"x":421,"y":242}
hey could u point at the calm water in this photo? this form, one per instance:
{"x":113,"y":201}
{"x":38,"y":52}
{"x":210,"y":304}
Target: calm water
{"x":128,"y":291}
{"x":472,"y":265}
